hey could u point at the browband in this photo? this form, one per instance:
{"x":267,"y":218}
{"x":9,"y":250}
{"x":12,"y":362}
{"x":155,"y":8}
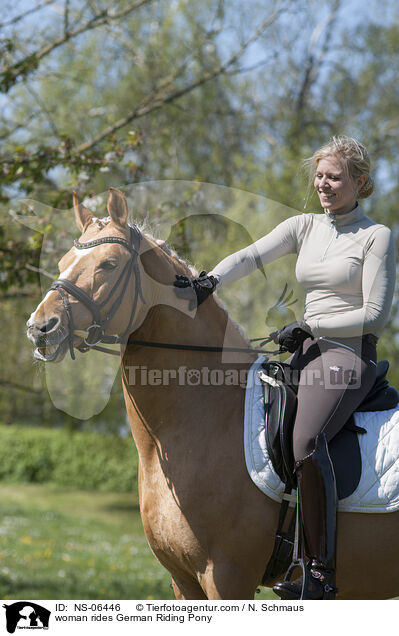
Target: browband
{"x":105,"y":239}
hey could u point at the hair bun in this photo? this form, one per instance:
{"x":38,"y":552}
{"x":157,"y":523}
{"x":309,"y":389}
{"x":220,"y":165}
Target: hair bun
{"x":367,"y":189}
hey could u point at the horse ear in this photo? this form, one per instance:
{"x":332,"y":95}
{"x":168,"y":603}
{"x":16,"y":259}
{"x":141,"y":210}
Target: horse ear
{"x":83,"y":216}
{"x":117,"y":207}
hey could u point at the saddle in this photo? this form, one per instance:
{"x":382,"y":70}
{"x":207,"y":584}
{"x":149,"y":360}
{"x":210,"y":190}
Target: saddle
{"x":280,"y":385}
{"x":280,"y":395}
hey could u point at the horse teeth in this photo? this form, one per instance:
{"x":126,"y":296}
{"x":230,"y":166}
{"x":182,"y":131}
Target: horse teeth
{"x":46,"y":353}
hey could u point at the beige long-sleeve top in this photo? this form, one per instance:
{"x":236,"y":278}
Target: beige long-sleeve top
{"x":346,"y":264}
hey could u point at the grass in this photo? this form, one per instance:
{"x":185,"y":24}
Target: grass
{"x":64,"y":544}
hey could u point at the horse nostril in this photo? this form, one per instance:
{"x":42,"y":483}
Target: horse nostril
{"x":50,"y":325}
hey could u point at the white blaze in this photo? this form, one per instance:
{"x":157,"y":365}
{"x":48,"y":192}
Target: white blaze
{"x":67,"y":272}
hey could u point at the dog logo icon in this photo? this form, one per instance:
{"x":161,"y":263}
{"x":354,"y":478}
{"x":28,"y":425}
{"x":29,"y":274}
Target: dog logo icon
{"x":26,"y":615}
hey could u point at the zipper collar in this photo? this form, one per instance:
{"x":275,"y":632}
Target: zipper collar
{"x":349,"y":218}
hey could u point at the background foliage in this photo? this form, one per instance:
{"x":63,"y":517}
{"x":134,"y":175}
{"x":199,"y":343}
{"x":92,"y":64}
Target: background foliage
{"x":138,"y":94}
{"x":98,"y":93}
{"x":86,"y":461}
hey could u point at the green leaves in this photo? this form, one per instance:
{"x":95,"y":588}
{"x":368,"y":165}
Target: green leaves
{"x":15,"y":255}
{"x":11,"y":74}
{"x":75,"y":460}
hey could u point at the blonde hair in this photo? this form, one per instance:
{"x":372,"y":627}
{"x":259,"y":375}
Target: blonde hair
{"x":353,"y":156}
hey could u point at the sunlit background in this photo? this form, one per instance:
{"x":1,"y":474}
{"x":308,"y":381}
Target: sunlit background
{"x":201,"y":112}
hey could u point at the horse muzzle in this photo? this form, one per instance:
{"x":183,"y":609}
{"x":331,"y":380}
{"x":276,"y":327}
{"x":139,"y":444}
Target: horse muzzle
{"x":50,"y":340}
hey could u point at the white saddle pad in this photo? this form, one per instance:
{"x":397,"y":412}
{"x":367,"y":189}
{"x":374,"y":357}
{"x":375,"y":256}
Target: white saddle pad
{"x":378,"y":489}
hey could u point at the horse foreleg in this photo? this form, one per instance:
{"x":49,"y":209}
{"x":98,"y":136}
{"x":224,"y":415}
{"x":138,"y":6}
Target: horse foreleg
{"x":188,"y":590}
{"x":225,"y":580}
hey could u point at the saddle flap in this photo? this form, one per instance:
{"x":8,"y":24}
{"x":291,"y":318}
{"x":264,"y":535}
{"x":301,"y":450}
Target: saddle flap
{"x":346,"y":459}
{"x":280,"y":407}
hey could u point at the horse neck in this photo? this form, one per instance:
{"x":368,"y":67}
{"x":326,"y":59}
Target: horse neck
{"x":169,"y":320}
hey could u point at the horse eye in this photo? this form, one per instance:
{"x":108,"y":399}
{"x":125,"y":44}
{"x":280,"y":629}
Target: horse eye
{"x":108,"y":265}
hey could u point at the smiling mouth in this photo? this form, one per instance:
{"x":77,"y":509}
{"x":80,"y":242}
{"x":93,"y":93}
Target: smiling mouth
{"x":326,"y":196}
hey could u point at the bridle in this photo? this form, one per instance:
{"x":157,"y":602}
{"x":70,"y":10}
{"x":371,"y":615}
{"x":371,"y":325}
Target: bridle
{"x":95,"y":333}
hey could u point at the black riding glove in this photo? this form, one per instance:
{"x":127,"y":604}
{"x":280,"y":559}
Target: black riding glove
{"x":196,"y":290}
{"x":291,"y":336}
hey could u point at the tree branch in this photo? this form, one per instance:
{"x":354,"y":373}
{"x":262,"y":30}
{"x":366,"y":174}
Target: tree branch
{"x":313,"y":58}
{"x":19,"y":387}
{"x":20,"y":294}
{"x":155,"y":100}
{"x":40,"y":270}
{"x":253,"y":67}
{"x":8,"y":133}
{"x":26,"y":13}
{"x":66,"y":18}
{"x":44,"y":108}
{"x":10,"y":74}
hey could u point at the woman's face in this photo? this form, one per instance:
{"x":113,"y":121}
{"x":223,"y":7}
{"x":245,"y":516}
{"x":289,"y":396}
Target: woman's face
{"x":337,"y":191}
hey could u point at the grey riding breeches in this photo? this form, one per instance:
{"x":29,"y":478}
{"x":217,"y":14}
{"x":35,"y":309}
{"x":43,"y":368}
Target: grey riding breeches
{"x":335,"y":377}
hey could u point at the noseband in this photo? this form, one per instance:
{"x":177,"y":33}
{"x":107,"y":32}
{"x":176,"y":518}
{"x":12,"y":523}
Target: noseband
{"x":96,"y":331}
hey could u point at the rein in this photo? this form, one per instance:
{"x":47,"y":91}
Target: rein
{"x":176,"y":346}
{"x":95,"y":333}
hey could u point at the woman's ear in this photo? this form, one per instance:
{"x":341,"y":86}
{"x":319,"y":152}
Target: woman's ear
{"x":117,"y":207}
{"x":83,"y":216}
{"x":360,"y":181}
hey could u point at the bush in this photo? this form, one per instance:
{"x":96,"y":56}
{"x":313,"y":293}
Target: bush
{"x":85,"y":461}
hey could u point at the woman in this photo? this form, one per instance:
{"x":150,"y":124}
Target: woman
{"x":346,"y":264}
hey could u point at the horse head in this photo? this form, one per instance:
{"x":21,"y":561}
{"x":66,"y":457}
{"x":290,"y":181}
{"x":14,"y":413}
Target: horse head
{"x":88,"y":300}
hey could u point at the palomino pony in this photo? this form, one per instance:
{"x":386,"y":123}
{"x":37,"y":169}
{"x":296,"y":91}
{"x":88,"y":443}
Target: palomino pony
{"x":203,"y":517}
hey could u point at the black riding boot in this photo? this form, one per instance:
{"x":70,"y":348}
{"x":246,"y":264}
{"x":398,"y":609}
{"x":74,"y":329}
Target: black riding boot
{"x":318,"y":503}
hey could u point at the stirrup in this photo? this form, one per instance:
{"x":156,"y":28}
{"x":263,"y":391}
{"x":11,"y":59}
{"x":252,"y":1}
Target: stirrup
{"x":310,"y":586}
{"x":300,"y":563}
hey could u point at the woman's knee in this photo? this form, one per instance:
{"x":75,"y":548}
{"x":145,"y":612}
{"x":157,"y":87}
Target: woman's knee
{"x":303,"y":445}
